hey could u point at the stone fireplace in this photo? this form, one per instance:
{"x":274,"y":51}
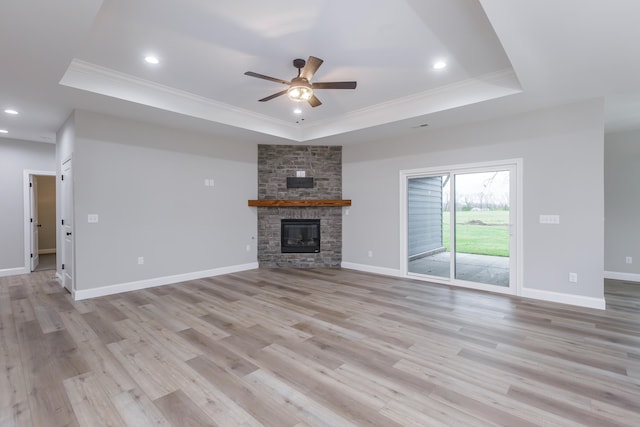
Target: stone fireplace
{"x":276,"y":163}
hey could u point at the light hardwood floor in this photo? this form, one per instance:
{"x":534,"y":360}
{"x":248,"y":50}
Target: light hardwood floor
{"x":314,"y":348}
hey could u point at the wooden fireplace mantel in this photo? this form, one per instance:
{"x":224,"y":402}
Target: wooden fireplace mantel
{"x":280,"y":203}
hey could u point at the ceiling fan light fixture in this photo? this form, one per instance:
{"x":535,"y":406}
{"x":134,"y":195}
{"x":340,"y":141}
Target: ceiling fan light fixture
{"x":300,"y":90}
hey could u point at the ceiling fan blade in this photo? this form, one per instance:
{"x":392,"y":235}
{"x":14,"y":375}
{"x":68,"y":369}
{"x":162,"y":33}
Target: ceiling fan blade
{"x":262,"y":76}
{"x":311,"y":67}
{"x":275,"y":95}
{"x":314,"y":101}
{"x":334,"y":85}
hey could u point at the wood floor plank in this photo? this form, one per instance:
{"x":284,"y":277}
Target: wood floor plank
{"x":14,"y":404}
{"x":306,"y":408}
{"x":135,"y":408}
{"x":104,"y":365}
{"x":145,"y":369}
{"x":223,"y":356}
{"x":331,"y":390}
{"x":181,"y":411}
{"x":22,"y":310}
{"x":103,"y":328}
{"x":157,"y":338}
{"x":262,"y":407}
{"x":48,"y":400}
{"x":90,"y":403}
{"x":191,"y":316}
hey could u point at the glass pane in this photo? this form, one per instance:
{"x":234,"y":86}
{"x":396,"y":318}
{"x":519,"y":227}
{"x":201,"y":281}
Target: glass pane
{"x":482,"y":227}
{"x":428,"y":230}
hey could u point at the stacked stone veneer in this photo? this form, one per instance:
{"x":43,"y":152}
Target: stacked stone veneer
{"x":324,"y":165}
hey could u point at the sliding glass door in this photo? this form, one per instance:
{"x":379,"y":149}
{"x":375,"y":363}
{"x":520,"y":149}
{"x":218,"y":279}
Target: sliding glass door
{"x":460,"y":226}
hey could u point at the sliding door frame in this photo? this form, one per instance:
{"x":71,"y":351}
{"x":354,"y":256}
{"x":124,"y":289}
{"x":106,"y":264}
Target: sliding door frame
{"x":516,"y":228}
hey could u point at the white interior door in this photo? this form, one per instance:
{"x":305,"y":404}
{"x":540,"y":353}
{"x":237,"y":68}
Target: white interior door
{"x":66,"y":190}
{"x":33,"y":205}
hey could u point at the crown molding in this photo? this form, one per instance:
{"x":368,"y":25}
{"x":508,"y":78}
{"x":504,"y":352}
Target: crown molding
{"x":105,"y":81}
{"x":465,"y":92}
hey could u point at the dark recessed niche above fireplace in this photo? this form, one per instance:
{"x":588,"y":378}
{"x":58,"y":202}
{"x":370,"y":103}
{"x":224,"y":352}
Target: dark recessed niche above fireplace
{"x":299,"y":182}
{"x":300,"y":235}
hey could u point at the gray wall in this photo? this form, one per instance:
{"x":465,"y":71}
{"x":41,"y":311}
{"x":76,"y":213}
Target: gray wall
{"x":562,"y":152}
{"x":622,"y":204}
{"x":147,"y":184}
{"x":15,"y":157}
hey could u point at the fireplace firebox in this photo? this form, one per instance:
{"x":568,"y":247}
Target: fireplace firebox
{"x":300,"y":235}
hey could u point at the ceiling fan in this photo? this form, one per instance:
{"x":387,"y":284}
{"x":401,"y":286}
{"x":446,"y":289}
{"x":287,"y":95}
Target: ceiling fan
{"x":300,"y":87}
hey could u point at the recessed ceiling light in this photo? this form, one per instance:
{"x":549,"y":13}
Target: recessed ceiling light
{"x":10,"y":111}
{"x":297,"y":111}
{"x":152,"y":59}
{"x":439,"y":65}
{"x":4,"y":131}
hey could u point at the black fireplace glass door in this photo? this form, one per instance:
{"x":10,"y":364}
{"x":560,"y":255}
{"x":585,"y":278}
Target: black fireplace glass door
{"x":300,"y":235}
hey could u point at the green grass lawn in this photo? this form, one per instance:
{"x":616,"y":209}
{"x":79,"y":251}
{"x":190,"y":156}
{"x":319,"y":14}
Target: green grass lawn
{"x":491,"y":237}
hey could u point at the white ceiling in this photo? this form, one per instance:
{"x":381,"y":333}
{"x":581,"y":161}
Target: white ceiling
{"x":503,"y":56}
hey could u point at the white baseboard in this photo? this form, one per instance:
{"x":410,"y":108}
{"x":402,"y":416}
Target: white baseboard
{"x":570,"y":299}
{"x":372,"y":269}
{"x":629,"y":277}
{"x":46,"y":251}
{"x":159,"y":281}
{"x":14,"y":271}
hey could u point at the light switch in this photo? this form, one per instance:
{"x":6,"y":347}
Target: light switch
{"x":92,"y":218}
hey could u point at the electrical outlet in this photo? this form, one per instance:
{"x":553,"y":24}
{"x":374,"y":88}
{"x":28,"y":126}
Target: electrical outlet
{"x":573,"y":277}
{"x":248,"y":248}
{"x":140,"y":260}
{"x":370,"y":254}
{"x":549,"y":219}
{"x":628,"y":260}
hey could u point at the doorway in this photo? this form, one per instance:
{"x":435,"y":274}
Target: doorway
{"x":460,"y":225}
{"x":40,"y":220}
